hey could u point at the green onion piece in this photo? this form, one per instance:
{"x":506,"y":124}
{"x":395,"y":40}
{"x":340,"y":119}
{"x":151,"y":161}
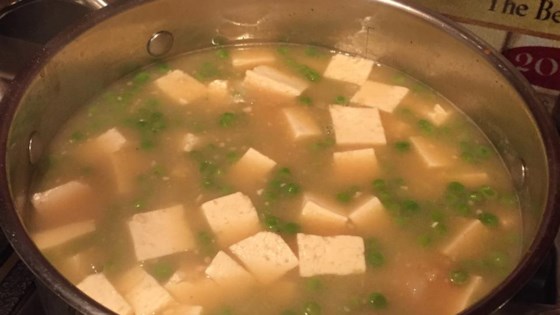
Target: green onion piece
{"x":227,"y":119}
{"x":341,"y":100}
{"x":141,"y":78}
{"x":305,"y":100}
{"x":377,"y":301}
{"x":162,"y":271}
{"x":489,"y":219}
{"x":402,"y":146}
{"x":426,"y":126}
{"x":222,"y":53}
{"x":458,"y":277}
{"x":312,"y":308}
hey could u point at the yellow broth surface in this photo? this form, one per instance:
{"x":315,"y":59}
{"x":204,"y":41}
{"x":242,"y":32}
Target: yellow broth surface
{"x":444,"y":235}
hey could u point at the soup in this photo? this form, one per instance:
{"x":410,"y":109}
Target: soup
{"x":277,"y":179}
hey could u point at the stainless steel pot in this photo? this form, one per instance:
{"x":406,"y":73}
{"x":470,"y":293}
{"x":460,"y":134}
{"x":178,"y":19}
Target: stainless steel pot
{"x":111,"y":42}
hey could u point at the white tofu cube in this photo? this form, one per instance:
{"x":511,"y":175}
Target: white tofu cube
{"x":101,"y":290}
{"x":266,"y":256}
{"x":228,"y":273}
{"x":251,"y":169}
{"x":143,"y":292}
{"x":438,"y":115}
{"x":196,"y":292}
{"x":330,"y":255}
{"x":349,"y":69}
{"x":371,"y":218}
{"x":126,"y":166}
{"x":357,"y":126}
{"x":231,"y":218}
{"x":301,"y":124}
{"x":184,"y":310}
{"x":355,"y":165}
{"x":110,"y":141}
{"x":160,"y":232}
{"x":316,"y":218}
{"x":181,"y":87}
{"x":60,"y":235}
{"x":76,"y":267}
{"x":218,"y":92}
{"x":190,"y":141}
{"x":379,"y":95}
{"x":67,"y":202}
{"x":467,"y":240}
{"x":431,"y":154}
{"x":248,"y":58}
{"x":465,"y":299}
{"x":272,"y":80}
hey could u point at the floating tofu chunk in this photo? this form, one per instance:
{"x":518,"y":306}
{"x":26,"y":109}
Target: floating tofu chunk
{"x":101,"y":290}
{"x":181,"y":87}
{"x":243,"y":59}
{"x":270,"y":79}
{"x":466,"y":297}
{"x":201,"y":291}
{"x":438,"y":115}
{"x":160,"y":232}
{"x":81,"y":264}
{"x":357,"y":126}
{"x":355,"y":165}
{"x":266,"y":256}
{"x":301,"y":124}
{"x":184,"y":310}
{"x":349,"y":69}
{"x":330,"y":255}
{"x":110,"y":141}
{"x":228,"y":273}
{"x":231,"y":218}
{"x":126,"y":166}
{"x":71,"y":201}
{"x":316,"y":218}
{"x":62,"y":234}
{"x":430,"y":153}
{"x":218,"y":92}
{"x":252,"y":169}
{"x":379,"y":95}
{"x":143,"y":292}
{"x":466,"y":242}
{"x":190,"y":141}
{"x":371,"y":217}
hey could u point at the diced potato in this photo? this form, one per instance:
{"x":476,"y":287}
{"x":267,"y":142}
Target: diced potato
{"x":228,"y":273}
{"x":201,"y":291}
{"x":251,"y":169}
{"x":160,"y":232}
{"x":371,"y":217}
{"x":466,"y":242}
{"x":330,"y":255}
{"x":469,"y":291}
{"x":272,"y":80}
{"x":143,"y":292}
{"x":379,"y":95}
{"x":231,"y":218}
{"x":58,"y":236}
{"x":349,"y":69}
{"x":66,"y":203}
{"x":430,"y":152}
{"x":184,"y":310}
{"x":265,"y":255}
{"x":300,"y":123}
{"x":190,"y":141}
{"x":110,"y":142}
{"x":438,"y":115}
{"x":101,"y":290}
{"x":181,"y":87}
{"x":218,"y":92}
{"x":357,"y":126}
{"x":355,"y":165}
{"x":248,"y":58}
{"x":316,"y":218}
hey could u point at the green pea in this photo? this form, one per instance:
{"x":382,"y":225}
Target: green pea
{"x":377,"y":301}
{"x":341,"y":100}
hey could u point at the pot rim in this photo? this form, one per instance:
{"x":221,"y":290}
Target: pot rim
{"x":21,"y":242}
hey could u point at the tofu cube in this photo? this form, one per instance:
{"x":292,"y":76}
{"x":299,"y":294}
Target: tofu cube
{"x":251,"y":169}
{"x":266,"y":256}
{"x":101,"y":290}
{"x":231,"y":218}
{"x":184,"y":310}
{"x":272,"y":80}
{"x":126,"y":166}
{"x":355,"y":165}
{"x":160,"y":232}
{"x":181,"y":87}
{"x":379,"y":95}
{"x":316,"y":218}
{"x":190,"y":141}
{"x":348,"y":68}
{"x":438,"y":115}
{"x":430,"y":153}
{"x":76,"y":267}
{"x":465,"y":298}
{"x":248,"y":58}
{"x":48,"y":239}
{"x":110,"y":141}
{"x":218,"y":92}
{"x":330,"y":255}
{"x":357,"y":126}
{"x":143,"y":292}
{"x":371,"y":218}
{"x":301,"y":124}
{"x":195,"y":292}
{"x":228,"y":273}
{"x":465,"y":242}
{"x":68,"y":202}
